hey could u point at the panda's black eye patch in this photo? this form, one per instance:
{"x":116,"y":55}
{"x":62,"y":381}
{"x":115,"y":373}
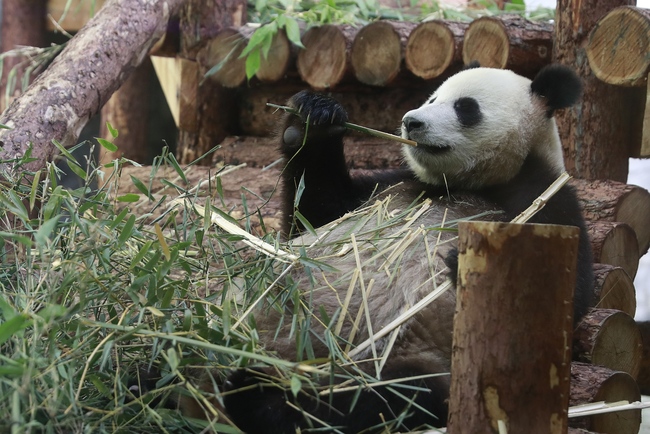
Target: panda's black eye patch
{"x":468,"y":111}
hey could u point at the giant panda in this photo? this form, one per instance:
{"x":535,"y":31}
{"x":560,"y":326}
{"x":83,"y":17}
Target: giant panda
{"x":487,"y":145}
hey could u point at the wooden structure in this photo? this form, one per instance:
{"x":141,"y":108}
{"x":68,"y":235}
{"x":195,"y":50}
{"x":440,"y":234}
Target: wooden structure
{"x":224,"y":109}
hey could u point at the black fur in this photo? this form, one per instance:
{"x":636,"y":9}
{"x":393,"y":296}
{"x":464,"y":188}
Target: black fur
{"x":558,"y":86}
{"x":468,"y":112}
{"x":329,"y":192}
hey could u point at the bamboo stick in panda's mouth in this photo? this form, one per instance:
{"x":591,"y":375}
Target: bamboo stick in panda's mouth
{"x":354,"y":127}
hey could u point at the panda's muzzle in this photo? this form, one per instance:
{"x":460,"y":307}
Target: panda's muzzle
{"x":415,"y":129}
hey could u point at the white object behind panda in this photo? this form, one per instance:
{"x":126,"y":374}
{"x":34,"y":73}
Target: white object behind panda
{"x":486,"y":141}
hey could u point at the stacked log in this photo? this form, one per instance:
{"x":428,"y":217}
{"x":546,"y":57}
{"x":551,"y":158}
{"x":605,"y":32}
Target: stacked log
{"x":325,"y":60}
{"x":509,"y":42}
{"x":617,"y":51}
{"x":433,"y":47}
{"x":614,"y":243}
{"x":378,"y":50}
{"x":614,"y":289}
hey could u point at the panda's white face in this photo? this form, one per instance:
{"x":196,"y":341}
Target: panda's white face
{"x":477,"y":129}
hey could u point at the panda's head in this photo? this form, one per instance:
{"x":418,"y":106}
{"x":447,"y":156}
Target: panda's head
{"x":480,"y":125}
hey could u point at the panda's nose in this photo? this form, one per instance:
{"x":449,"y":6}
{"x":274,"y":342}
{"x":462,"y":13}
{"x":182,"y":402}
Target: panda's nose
{"x":411,"y":124}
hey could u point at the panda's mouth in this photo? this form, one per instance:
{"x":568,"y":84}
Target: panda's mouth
{"x":433,"y":149}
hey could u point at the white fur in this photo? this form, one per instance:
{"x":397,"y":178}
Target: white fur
{"x":513,"y":126}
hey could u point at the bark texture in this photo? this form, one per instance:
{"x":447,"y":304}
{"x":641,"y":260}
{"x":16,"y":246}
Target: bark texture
{"x":529,"y":272}
{"x":601,"y":132}
{"x":83,"y":77}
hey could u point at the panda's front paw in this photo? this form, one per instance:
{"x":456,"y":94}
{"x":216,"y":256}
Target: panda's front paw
{"x":256,"y":405}
{"x":319,"y":116}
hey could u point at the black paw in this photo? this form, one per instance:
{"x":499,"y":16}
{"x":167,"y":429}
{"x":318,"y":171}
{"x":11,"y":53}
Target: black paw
{"x":451,"y":261}
{"x":258,"y":405}
{"x":320,"y":117}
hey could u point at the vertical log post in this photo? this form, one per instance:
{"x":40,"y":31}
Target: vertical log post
{"x":512,"y":333}
{"x":601,"y":132}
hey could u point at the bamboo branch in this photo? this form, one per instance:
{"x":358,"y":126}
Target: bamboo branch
{"x":354,"y":127}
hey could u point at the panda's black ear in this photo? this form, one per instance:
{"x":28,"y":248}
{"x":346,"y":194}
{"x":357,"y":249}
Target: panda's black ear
{"x":559,"y":87}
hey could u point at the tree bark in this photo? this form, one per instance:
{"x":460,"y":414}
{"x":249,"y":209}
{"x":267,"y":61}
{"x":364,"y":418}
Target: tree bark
{"x":618,"y":47}
{"x":643,"y":379}
{"x":325,"y":60}
{"x":433,"y":47}
{"x":202,"y":21}
{"x":609,"y":338}
{"x":529,"y":272}
{"x":610,"y":201}
{"x":83,"y":77}
{"x":15,"y":13}
{"x":591,"y":383}
{"x":614,"y":289}
{"x":601,"y":132}
{"x":509,"y":42}
{"x":378,"y":50}
{"x":614,"y":244}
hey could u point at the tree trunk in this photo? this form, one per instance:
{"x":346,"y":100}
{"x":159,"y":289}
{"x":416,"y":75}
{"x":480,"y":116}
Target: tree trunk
{"x":528,"y":271}
{"x":201,"y":21}
{"x":83,"y":77}
{"x":599,"y":133}
{"x":15,"y":13}
{"x":509,"y":42}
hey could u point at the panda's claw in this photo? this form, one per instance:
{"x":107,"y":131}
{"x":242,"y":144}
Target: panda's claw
{"x":318,"y":109}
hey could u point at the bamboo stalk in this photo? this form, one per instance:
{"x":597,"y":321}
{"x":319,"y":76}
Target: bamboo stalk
{"x":355,"y":127}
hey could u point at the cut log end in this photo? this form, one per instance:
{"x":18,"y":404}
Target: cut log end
{"x":486,"y":41}
{"x":323,"y":61}
{"x":610,"y":338}
{"x":595,"y":383}
{"x":430,"y":50}
{"x":614,"y":289}
{"x":618,"y":46}
{"x":224,"y":50}
{"x":275,"y":65}
{"x":615,"y":244}
{"x":376,"y":54}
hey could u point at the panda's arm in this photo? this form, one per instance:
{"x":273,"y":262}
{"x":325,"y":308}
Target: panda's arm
{"x":519,"y":193}
{"x":312,"y":145}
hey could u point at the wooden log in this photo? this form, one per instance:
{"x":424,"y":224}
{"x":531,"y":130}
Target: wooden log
{"x":325,"y":60}
{"x":609,"y":338}
{"x":599,"y":133}
{"x":127,"y":111}
{"x":614,"y":289}
{"x":378,"y":50}
{"x":618,"y":46}
{"x":509,"y":42}
{"x":579,"y":431}
{"x":82,"y":78}
{"x":529,"y":272}
{"x":281,"y":56}
{"x":611,"y":201}
{"x":179,"y":80}
{"x":203,"y":20}
{"x":433,"y":47}
{"x":615,"y":244}
{"x":644,"y":151}
{"x":15,"y":13}
{"x":224,"y":51}
{"x":591,"y":383}
{"x":378,"y":108}
{"x":643,"y":379}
